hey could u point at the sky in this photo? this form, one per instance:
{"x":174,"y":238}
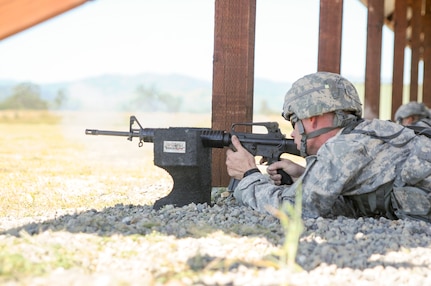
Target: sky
{"x":177,"y":37}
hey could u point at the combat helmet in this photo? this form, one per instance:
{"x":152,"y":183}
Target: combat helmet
{"x":412,"y":108}
{"x":319,"y":93}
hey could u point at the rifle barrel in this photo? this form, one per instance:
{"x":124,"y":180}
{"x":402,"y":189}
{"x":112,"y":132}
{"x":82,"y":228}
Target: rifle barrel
{"x":106,"y":132}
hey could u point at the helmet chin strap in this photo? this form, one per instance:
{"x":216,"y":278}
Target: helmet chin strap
{"x":313,"y":134}
{"x":341,"y":120}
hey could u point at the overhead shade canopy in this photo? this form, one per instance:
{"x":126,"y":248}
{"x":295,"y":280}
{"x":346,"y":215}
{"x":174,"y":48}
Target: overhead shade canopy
{"x":389,"y":15}
{"x":18,"y":15}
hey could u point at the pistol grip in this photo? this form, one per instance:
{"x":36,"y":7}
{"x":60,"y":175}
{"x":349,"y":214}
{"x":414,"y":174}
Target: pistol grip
{"x":285,"y":177}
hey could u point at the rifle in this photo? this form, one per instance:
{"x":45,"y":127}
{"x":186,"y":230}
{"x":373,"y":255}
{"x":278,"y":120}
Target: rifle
{"x":184,"y":152}
{"x":269,"y":145}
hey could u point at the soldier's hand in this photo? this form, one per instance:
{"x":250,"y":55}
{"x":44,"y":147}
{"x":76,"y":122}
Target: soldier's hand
{"x":240,"y":161}
{"x":293,"y":169}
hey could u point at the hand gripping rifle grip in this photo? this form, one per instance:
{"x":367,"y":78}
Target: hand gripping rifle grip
{"x":286,"y":179}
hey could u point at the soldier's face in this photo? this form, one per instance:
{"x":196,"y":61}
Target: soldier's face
{"x":408,"y":120}
{"x":308,"y":125}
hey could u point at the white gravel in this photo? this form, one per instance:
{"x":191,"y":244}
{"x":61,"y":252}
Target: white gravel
{"x":224,"y":244}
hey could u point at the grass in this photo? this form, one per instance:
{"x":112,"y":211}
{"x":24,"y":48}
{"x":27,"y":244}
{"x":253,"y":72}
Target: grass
{"x":47,"y":164}
{"x":291,"y":221}
{"x":15,"y":262}
{"x":29,"y":117}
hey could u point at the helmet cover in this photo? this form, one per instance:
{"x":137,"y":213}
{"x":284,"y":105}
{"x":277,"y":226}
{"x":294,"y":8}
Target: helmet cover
{"x":319,"y":93}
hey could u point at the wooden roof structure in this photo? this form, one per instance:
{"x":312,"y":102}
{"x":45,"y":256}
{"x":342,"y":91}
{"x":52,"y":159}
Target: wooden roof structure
{"x":234,"y":42}
{"x":410,"y":20}
{"x":18,"y":15}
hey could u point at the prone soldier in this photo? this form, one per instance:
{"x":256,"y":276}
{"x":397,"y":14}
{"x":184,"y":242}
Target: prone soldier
{"x":355,"y":167}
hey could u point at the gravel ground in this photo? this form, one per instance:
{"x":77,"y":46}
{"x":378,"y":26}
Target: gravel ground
{"x":223,"y":244}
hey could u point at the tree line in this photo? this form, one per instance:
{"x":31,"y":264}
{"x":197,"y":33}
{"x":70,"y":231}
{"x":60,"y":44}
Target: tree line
{"x":28,"y":96}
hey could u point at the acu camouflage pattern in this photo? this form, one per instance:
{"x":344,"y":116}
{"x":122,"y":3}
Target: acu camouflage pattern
{"x":424,"y":122}
{"x":380,"y":168}
{"x":319,"y":93}
{"x":410,"y":109}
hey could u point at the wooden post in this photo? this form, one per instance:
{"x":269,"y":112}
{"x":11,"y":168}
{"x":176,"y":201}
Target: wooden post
{"x":233,"y":73}
{"x":330,"y":29}
{"x":400,"y":26}
{"x":415,"y":45}
{"x":374,"y":58}
{"x":427,"y":55}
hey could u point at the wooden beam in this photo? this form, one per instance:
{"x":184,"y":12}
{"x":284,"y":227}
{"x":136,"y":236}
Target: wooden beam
{"x":415,"y":46}
{"x":400,"y":36}
{"x":427,"y":55}
{"x":233,"y":73}
{"x":18,"y":15}
{"x":373,"y":58}
{"x":330,"y":30}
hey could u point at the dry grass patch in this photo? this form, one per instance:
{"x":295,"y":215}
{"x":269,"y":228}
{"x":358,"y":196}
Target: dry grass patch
{"x":47,"y":166}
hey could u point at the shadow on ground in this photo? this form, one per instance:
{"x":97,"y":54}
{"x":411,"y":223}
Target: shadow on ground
{"x":353,"y":243}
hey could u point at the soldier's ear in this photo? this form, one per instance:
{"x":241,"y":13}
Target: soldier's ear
{"x":314,"y":121}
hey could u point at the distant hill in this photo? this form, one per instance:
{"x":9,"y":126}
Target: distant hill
{"x":117,"y":92}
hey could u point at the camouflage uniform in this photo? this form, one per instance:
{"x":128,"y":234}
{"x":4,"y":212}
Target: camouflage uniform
{"x":370,"y":168}
{"x":414,"y":108}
